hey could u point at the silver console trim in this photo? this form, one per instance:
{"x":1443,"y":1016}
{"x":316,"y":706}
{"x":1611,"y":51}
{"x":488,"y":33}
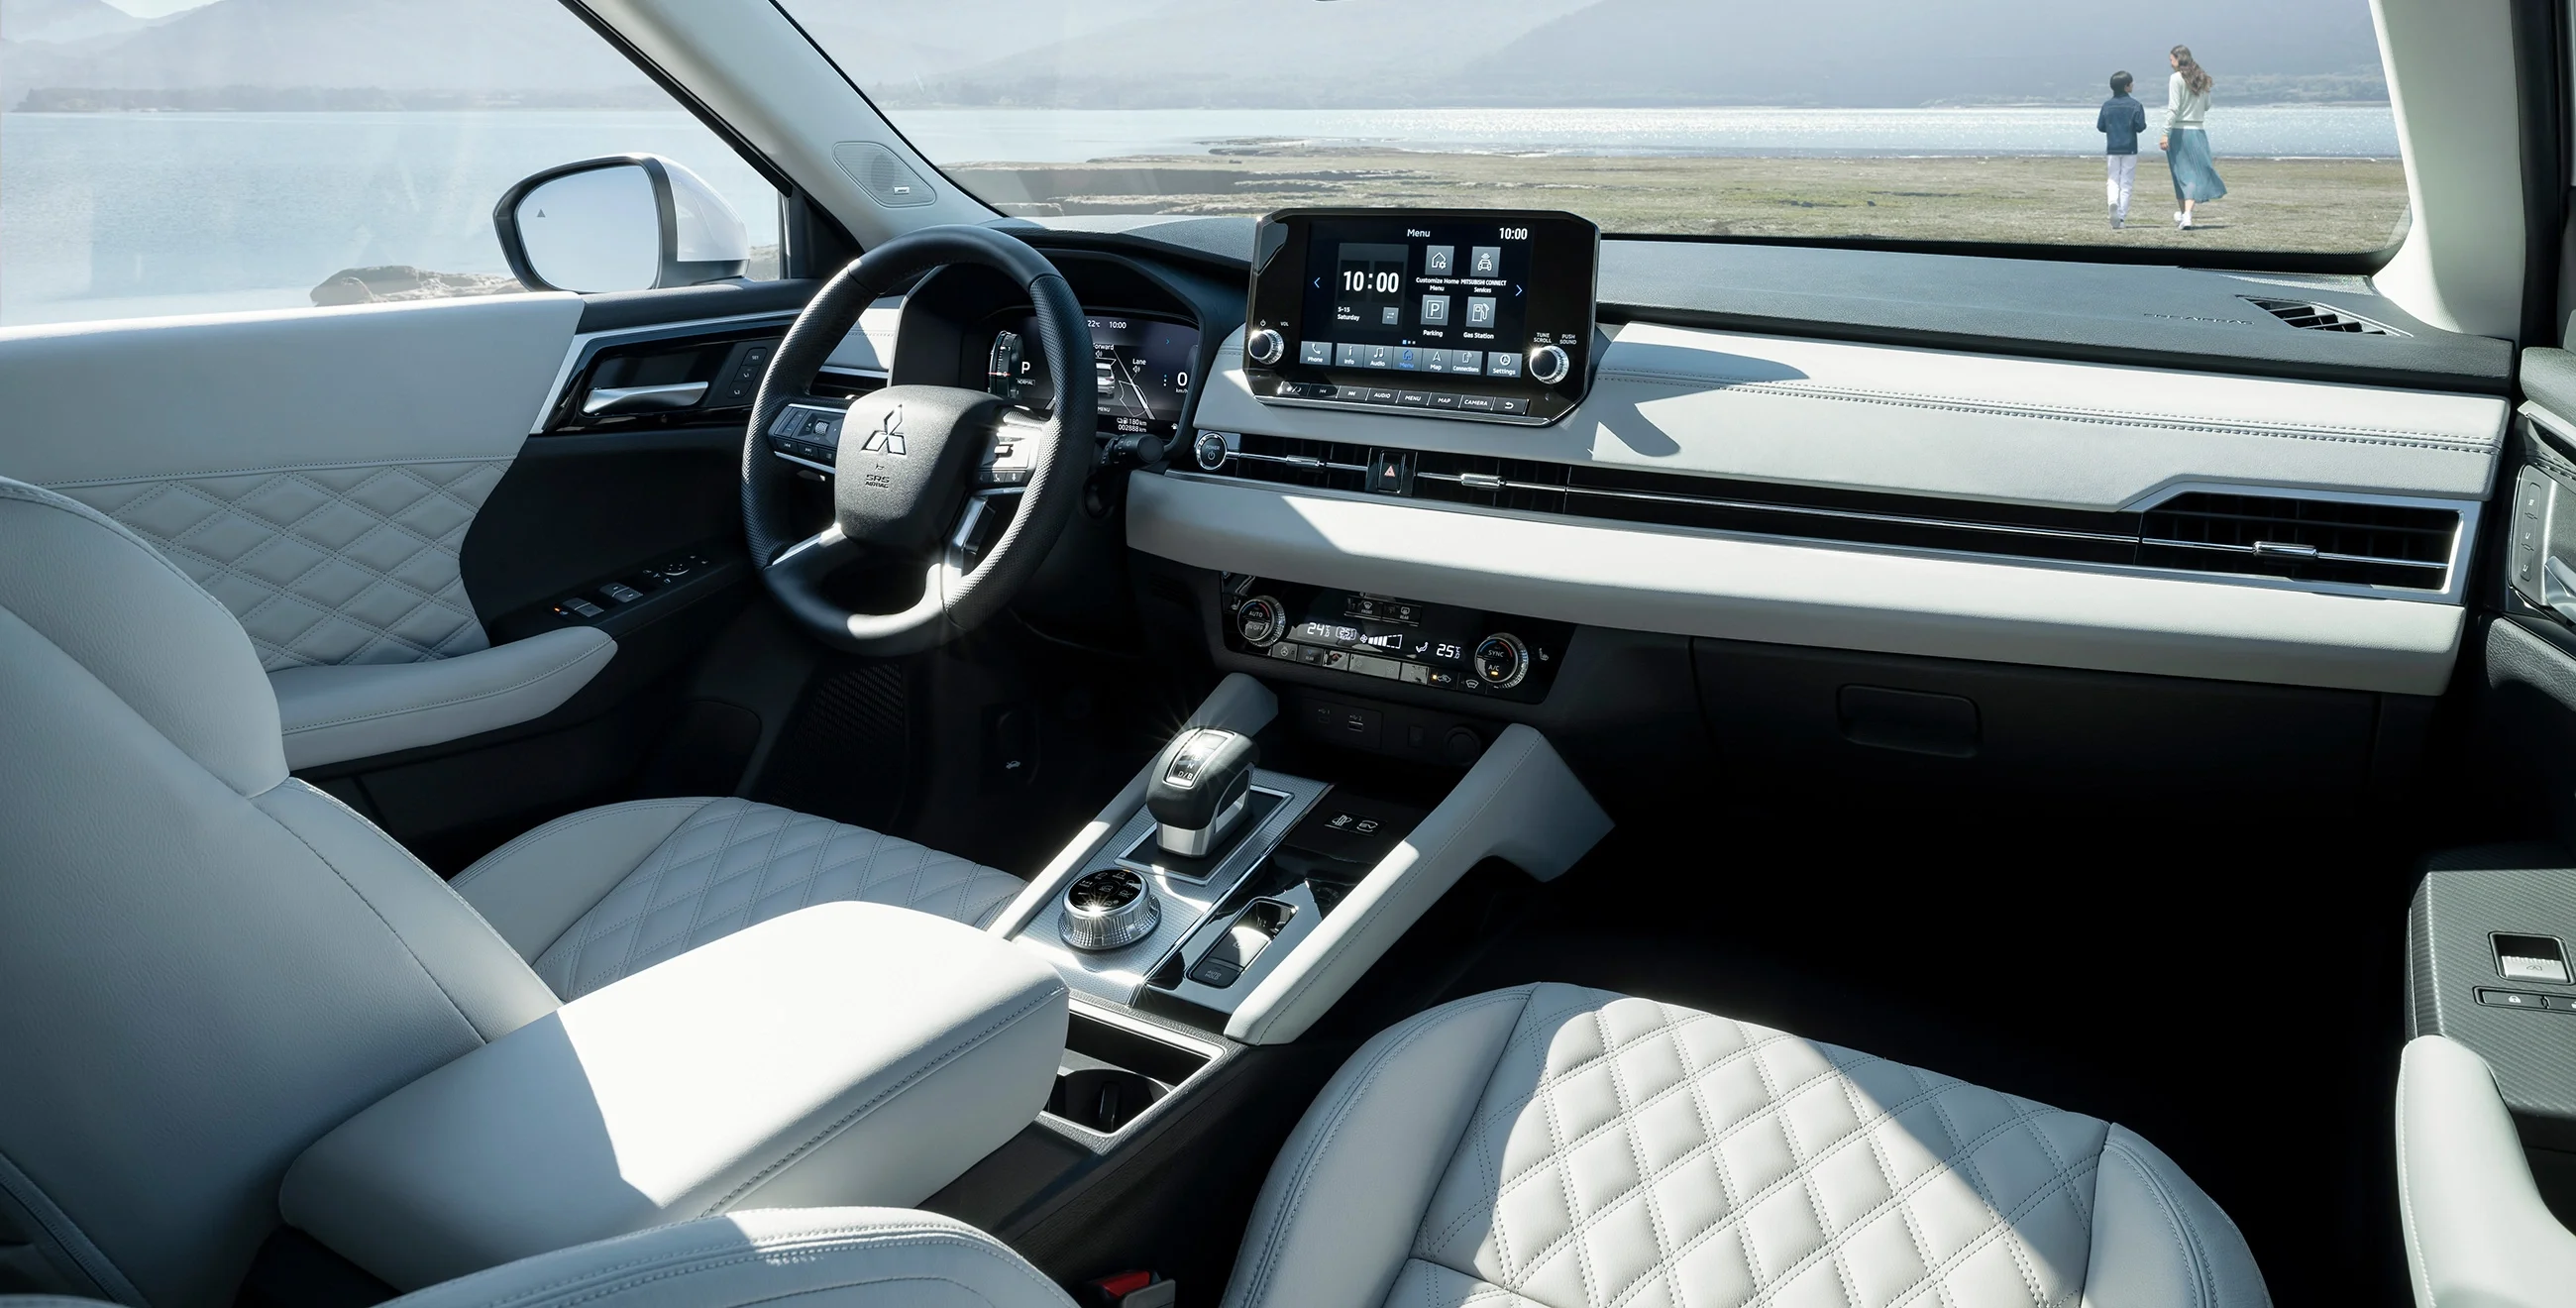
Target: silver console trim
{"x":1119,"y":975}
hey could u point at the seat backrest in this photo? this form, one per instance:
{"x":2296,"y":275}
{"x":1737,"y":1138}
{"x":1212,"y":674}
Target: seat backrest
{"x":204,"y":965}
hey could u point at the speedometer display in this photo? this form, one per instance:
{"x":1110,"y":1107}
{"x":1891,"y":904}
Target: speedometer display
{"x":1140,"y":369}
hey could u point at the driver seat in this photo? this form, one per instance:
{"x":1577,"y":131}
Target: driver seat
{"x":206,"y":964}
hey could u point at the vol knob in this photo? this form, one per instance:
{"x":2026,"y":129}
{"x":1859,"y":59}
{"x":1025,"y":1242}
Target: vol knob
{"x":1549,"y":364}
{"x":1265,"y":347}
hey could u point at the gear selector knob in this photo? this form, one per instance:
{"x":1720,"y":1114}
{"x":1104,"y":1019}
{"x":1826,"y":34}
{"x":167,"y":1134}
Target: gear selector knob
{"x":1198,"y":789}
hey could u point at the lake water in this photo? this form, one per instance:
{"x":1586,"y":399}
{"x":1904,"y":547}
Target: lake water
{"x":114,"y":215}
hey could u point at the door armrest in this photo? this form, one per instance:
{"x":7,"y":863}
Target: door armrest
{"x":334,"y":713}
{"x":2477,"y":1232}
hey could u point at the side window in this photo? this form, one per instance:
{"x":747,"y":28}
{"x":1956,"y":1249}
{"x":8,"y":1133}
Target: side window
{"x":197,"y":156}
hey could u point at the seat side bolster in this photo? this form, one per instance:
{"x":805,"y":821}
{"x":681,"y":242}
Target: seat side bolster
{"x":2159,"y":1240}
{"x":494,"y":989}
{"x":1338,"y":1215}
{"x":2477,"y":1232}
{"x":533,"y":889}
{"x":816,"y":1257}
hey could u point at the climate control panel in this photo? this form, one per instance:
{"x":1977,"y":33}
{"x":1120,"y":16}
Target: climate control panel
{"x":1435,"y":646}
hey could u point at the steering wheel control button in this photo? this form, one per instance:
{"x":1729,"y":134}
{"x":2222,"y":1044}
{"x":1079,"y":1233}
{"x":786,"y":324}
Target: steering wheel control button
{"x":1502,"y":660}
{"x":1265,"y":347}
{"x":1109,"y":909}
{"x":1260,"y":621}
{"x":1210,"y":451}
{"x":1550,"y":364}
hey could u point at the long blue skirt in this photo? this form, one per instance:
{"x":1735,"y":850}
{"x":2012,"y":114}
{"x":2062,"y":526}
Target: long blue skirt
{"x":2187,"y":155}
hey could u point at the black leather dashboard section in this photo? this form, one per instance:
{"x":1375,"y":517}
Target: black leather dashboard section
{"x":2094,"y":312}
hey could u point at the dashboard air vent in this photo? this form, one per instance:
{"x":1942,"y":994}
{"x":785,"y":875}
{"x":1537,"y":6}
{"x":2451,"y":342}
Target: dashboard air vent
{"x":2314,"y":540}
{"x":1295,"y":461}
{"x":2318,"y":317}
{"x":2340,"y":542}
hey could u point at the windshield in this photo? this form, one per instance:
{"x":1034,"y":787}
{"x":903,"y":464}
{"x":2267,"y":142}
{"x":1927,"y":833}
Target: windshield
{"x":1989,"y":121}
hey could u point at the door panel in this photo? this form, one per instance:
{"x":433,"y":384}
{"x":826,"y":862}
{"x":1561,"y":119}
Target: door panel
{"x":316,"y":470}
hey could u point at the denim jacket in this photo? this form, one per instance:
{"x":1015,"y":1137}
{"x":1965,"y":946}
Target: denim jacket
{"x":2121,"y":119}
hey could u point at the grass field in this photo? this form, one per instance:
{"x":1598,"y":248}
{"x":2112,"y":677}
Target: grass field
{"x":2336,"y":205}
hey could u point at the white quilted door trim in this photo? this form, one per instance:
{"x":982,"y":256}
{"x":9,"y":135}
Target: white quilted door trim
{"x":337,"y":564}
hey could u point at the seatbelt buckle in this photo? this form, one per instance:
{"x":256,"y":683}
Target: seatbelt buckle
{"x":1131,"y":1290}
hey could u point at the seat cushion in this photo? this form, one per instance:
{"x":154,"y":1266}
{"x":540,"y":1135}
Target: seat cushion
{"x":596,"y":895}
{"x":1572,"y":1148}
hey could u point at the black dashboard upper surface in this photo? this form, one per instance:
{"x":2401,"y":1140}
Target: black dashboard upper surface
{"x":2149,"y":315}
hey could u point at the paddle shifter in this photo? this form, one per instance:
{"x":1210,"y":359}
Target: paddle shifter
{"x":1199,"y":788}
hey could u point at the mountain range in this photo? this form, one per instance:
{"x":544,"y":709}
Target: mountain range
{"x":1237,"y":53}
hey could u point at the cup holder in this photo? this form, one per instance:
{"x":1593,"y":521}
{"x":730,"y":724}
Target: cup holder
{"x":1111,"y":1073}
{"x":1104,"y":1099}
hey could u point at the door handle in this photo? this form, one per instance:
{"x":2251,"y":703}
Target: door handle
{"x":609,"y":400}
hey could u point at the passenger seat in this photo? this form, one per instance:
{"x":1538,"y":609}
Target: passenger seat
{"x":1555,"y":1147}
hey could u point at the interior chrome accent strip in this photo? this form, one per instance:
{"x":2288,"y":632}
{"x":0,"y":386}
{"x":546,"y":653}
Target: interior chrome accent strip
{"x":1757,"y":506}
{"x":643,"y":399}
{"x":825,"y":469}
{"x":2455,"y":581}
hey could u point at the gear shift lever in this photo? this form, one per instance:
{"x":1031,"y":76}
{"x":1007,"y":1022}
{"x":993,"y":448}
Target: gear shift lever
{"x":1199,"y":788}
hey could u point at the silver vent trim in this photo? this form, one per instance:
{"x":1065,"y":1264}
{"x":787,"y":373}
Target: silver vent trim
{"x":2309,"y":316}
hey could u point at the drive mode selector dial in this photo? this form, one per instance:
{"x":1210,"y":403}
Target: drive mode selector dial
{"x":1549,"y":364}
{"x":1260,"y":621}
{"x":1502,"y":660}
{"x":1265,"y":347}
{"x":1109,"y":909}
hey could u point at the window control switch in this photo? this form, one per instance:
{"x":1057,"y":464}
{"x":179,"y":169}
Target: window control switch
{"x":2530,"y":958}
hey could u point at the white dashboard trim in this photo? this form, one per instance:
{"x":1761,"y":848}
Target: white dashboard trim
{"x":1949,"y":424}
{"x":1704,"y":584}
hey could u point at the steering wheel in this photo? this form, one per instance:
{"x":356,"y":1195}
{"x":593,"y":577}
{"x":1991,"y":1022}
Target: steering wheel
{"x":908,"y":457}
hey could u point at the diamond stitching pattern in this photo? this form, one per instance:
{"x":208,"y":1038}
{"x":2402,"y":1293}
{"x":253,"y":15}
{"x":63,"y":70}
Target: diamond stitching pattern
{"x":734,"y":863}
{"x":1628,"y":1154}
{"x":323,"y":565}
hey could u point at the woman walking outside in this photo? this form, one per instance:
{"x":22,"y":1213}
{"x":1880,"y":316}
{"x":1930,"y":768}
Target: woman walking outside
{"x":2186,"y":140}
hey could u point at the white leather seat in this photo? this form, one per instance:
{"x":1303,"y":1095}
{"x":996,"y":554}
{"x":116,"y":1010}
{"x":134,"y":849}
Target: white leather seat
{"x":1569,"y":1148}
{"x":591,"y":897}
{"x":206,"y":964}
{"x":1555,"y":1147}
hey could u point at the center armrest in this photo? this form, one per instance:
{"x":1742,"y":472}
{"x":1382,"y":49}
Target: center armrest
{"x":845,"y":1054}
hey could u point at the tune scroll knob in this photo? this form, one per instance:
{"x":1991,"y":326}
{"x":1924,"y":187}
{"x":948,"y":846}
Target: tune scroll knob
{"x":1550,"y":364}
{"x":1265,"y":347}
{"x":1260,"y":620}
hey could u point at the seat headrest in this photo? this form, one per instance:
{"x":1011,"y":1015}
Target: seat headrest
{"x":133,"y":620}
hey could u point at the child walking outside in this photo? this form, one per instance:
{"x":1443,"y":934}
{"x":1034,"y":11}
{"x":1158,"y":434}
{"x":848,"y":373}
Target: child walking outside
{"x":2120,"y":121}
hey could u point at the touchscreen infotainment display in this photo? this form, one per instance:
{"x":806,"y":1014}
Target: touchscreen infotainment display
{"x":1141,"y":367}
{"x":1484,"y":314}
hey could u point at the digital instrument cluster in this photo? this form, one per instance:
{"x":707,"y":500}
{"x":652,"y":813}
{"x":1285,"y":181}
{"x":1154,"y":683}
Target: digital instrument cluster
{"x":1141,"y":367}
{"x":1436,"y":646}
{"x":1487,"y":315}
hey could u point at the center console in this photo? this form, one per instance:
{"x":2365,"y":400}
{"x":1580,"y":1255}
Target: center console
{"x":1242,"y":900}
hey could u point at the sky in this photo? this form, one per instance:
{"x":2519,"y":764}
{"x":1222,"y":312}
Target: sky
{"x":156,"y":8}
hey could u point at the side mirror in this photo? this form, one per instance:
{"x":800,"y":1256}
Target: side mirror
{"x":627,"y":222}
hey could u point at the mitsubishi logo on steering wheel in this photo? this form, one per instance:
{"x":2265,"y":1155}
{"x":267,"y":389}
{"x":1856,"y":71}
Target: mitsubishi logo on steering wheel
{"x":888,"y":437}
